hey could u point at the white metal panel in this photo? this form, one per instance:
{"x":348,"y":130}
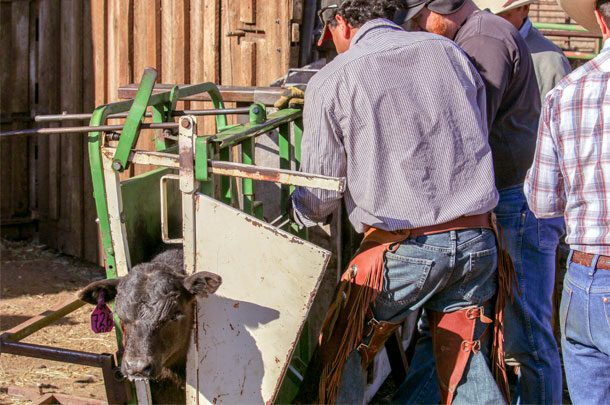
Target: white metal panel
{"x":248,"y":329}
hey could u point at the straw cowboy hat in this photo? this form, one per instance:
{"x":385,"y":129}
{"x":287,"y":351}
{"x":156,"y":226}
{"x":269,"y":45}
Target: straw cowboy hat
{"x":500,"y":6}
{"x":583,"y":12}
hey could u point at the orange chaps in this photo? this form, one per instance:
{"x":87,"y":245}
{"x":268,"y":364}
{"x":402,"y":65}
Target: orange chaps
{"x":453,"y":342}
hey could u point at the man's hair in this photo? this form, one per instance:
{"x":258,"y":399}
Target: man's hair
{"x":603,"y":6}
{"x":358,"y":12}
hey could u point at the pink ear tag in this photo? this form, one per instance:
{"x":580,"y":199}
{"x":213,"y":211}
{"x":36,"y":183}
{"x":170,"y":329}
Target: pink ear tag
{"x":101,"y":317}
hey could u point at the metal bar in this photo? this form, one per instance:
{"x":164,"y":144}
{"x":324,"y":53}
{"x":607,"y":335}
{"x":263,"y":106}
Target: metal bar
{"x":560,"y":27}
{"x":579,"y":55}
{"x":251,"y":94}
{"x":76,"y":130}
{"x":36,"y":323}
{"x":52,"y":353}
{"x":262,"y":173}
{"x":237,"y":134}
{"x":573,"y":34}
{"x":131,"y":129}
{"x":178,"y":113}
{"x":277,"y":175}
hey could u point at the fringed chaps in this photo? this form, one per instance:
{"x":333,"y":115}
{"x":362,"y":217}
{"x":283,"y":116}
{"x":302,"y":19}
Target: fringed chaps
{"x":345,"y":322}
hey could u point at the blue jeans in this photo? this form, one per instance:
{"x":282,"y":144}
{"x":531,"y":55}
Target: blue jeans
{"x":585,"y":332}
{"x":441,"y":272}
{"x":528,"y":334}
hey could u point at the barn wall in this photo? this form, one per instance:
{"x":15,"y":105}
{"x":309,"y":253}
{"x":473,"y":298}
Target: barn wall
{"x":72,"y":55}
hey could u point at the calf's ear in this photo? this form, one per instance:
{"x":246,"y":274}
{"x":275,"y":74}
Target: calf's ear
{"x":91,"y":292}
{"x":202,"y":283}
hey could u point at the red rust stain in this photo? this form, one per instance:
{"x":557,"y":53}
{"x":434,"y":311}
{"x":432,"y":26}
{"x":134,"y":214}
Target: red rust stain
{"x":236,"y":305}
{"x":277,"y":360}
{"x":231,"y":326}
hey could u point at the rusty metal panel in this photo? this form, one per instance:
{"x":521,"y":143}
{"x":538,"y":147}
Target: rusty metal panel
{"x":248,"y":329}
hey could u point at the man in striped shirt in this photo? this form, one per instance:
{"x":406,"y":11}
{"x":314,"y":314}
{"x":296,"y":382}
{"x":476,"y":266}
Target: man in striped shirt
{"x":402,"y":116}
{"x":570,"y":176}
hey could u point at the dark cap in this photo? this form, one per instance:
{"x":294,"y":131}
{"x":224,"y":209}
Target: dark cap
{"x":326,"y":10}
{"x":445,"y":7}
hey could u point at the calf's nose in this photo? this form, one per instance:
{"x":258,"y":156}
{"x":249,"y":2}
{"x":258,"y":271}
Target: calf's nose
{"x":137,"y":367}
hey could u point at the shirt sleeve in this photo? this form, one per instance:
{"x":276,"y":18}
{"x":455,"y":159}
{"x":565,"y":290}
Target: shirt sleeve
{"x":544,"y":185}
{"x":495,"y":67}
{"x":323,"y":153}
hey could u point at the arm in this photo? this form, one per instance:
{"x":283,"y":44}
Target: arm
{"x":322,"y":152}
{"x":544,"y":187}
{"x":494,"y":67}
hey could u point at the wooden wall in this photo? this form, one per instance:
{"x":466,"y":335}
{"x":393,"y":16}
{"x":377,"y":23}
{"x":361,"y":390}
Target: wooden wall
{"x":72,"y":55}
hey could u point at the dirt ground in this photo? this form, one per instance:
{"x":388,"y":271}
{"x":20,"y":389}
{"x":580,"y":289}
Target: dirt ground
{"x":32,"y":280}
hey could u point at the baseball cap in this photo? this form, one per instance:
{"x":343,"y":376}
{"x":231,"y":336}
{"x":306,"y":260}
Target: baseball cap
{"x":326,"y":9}
{"x":413,"y":7}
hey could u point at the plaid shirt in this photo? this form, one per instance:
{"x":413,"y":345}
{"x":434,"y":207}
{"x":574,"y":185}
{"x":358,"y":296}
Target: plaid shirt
{"x":570,"y":175}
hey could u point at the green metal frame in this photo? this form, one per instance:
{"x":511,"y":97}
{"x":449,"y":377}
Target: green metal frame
{"x":217,"y":146}
{"x":567,"y":29}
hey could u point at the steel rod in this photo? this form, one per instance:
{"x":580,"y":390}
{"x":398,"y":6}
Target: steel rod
{"x":86,"y":116}
{"x":77,"y":130}
{"x":53,"y":353}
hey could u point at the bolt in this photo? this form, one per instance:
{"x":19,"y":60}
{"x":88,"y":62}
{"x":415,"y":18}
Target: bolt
{"x":255,"y":110}
{"x":354,"y":269}
{"x":279,"y":49}
{"x":277,"y":20}
{"x":117,"y":166}
{"x":186,"y":124}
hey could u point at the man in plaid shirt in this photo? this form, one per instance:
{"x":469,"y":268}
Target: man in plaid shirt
{"x":570,"y":176}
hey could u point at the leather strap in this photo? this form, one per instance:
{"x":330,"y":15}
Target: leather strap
{"x":469,"y":222}
{"x":586,"y":259}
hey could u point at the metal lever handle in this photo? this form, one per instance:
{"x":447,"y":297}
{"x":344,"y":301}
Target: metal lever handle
{"x":164,"y":219}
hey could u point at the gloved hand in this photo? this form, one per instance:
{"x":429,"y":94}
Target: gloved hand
{"x":293,"y":97}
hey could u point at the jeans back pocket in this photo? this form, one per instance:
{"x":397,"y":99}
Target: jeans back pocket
{"x":404,"y":279}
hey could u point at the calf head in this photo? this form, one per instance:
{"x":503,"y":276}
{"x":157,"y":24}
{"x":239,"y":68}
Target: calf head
{"x":155,"y":305}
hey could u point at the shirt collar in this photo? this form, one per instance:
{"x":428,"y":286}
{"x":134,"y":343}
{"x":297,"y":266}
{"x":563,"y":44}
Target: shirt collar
{"x":371,"y":25}
{"x":525,"y":28}
{"x":606,"y":45}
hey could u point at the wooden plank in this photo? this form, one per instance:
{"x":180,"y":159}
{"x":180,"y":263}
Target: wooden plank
{"x":205,"y":48}
{"x":174,"y":41}
{"x":20,"y":102}
{"x":90,"y":235}
{"x":33,"y":141}
{"x":247,"y":11}
{"x":248,"y":63}
{"x":145,"y":28}
{"x":71,"y":94}
{"x":5,"y":105}
{"x":98,"y":18}
{"x":228,"y":43}
{"x":48,"y":97}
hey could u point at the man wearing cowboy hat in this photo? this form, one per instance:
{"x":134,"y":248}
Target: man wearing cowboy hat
{"x":550,"y":64}
{"x":529,"y":341}
{"x":570,"y":177}
{"x":503,"y":59}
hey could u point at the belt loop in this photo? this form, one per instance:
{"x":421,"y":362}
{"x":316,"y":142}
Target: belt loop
{"x":593,"y":265}
{"x":453,"y":236}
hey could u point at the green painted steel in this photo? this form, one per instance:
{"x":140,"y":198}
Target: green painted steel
{"x":284,"y":154}
{"x":131,"y":128}
{"x":247,"y":157}
{"x":235,"y":134}
{"x":559,"y":27}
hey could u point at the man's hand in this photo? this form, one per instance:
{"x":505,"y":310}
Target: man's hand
{"x":292,"y":97}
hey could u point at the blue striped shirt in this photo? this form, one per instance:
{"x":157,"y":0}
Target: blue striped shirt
{"x":402,"y":116}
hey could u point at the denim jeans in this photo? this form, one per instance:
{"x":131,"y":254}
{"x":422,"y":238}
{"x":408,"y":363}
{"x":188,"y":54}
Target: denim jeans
{"x":585,"y":332}
{"x":528,"y":334}
{"x":441,"y":272}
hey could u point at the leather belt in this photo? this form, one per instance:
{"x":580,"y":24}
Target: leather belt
{"x":586,"y":259}
{"x":469,"y":222}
